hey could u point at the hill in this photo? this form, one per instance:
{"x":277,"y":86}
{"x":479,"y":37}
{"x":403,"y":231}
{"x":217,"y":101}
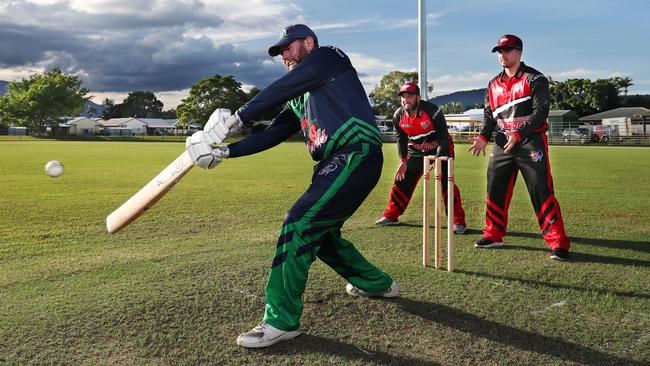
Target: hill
{"x":3,"y":87}
{"x":468,"y":98}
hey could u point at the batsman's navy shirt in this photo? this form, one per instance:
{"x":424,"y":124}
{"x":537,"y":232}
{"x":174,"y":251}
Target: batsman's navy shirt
{"x":325,"y":99}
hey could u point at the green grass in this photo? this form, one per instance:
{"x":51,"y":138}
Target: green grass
{"x":180,"y":283}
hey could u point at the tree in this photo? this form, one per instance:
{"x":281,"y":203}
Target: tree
{"x":452,"y":108}
{"x":170,"y":114}
{"x":384,"y":97}
{"x":622,"y":83}
{"x":207,"y":95}
{"x":42,"y":99}
{"x":583,"y":96}
{"x":138,"y":104}
{"x":141,"y":104}
{"x":637,"y":101}
{"x":604,"y":95}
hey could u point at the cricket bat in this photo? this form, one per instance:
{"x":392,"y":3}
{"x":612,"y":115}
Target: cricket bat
{"x":148,"y":195}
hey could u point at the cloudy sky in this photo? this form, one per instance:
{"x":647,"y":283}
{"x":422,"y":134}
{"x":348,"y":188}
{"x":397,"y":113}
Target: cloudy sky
{"x":165,"y":46}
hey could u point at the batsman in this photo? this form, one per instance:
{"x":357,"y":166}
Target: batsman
{"x":326,"y":101}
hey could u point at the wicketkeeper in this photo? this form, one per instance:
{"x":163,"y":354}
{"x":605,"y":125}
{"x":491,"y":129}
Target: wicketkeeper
{"x":326,"y":101}
{"x":421,"y":130}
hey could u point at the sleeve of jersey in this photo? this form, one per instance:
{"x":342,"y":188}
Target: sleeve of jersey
{"x":282,"y":127}
{"x":402,"y":138}
{"x":442,"y":132}
{"x":488,"y":118}
{"x":541,"y":95}
{"x":321,"y":65}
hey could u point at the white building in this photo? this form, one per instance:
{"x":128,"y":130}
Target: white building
{"x":123,"y":126}
{"x":469,"y":120}
{"x":82,"y":126}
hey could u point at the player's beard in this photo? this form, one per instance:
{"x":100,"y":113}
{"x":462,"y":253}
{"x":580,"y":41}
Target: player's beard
{"x":302,"y":53}
{"x":411,"y":107}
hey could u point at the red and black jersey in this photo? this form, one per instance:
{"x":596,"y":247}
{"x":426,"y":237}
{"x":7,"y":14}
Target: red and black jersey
{"x":520,"y":103}
{"x":426,"y":124}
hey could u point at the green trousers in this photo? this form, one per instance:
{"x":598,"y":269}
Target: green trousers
{"x":312,"y":229}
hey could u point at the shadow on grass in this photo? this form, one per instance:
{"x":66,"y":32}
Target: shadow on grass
{"x":639,"y":246}
{"x":557,"y":286}
{"x":507,"y":335}
{"x":310,"y":344}
{"x":577,"y":256}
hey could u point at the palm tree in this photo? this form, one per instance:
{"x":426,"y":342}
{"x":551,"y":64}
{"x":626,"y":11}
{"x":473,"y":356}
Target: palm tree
{"x":623,"y":83}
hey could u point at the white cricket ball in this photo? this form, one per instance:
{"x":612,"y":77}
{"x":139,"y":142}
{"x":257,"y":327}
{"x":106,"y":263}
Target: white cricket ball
{"x":54,"y":168}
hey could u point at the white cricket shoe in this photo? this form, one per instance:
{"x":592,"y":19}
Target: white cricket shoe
{"x":385,"y":221}
{"x":392,"y":291}
{"x":264,"y":335}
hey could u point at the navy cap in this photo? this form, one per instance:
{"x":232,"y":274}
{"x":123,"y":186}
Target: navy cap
{"x":290,"y":34}
{"x":509,"y":41}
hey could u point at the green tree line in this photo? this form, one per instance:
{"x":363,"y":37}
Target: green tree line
{"x":580,"y":95}
{"x":41,"y":100}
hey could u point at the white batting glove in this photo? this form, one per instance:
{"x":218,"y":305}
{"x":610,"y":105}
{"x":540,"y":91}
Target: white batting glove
{"x":219,"y":124}
{"x":202,"y":153}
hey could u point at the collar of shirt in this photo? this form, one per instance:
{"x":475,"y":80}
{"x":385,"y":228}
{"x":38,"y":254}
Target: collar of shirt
{"x":517,"y":75}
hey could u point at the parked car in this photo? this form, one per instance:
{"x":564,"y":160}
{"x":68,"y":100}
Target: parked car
{"x":604,"y":133}
{"x":581,"y":135}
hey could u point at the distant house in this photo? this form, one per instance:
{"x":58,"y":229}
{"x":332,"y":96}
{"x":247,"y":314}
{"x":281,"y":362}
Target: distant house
{"x":82,"y":126}
{"x":123,"y":126}
{"x":159,"y":126}
{"x":628,"y":121}
{"x":469,"y":120}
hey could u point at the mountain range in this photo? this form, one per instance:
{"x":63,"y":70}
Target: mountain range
{"x":468,"y":98}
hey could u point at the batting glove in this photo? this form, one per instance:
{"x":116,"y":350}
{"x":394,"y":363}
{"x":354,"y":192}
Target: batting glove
{"x":219,"y":124}
{"x":202,"y":153}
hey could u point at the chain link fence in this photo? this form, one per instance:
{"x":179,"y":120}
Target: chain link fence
{"x":623,"y":132}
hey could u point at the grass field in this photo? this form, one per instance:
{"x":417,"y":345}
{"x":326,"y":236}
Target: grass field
{"x":178,"y":285}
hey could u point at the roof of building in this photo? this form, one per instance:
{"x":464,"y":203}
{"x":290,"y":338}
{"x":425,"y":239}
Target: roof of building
{"x":560,"y":112}
{"x":627,"y":112}
{"x":78,"y":119}
{"x":159,"y":122}
{"x":474,"y":111}
{"x":115,"y":122}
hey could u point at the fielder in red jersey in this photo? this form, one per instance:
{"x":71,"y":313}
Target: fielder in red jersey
{"x":517,"y":102}
{"x":421,"y":130}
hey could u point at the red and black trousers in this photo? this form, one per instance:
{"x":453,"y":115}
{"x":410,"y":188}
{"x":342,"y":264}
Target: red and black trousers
{"x":531,"y":158}
{"x":402,"y":191}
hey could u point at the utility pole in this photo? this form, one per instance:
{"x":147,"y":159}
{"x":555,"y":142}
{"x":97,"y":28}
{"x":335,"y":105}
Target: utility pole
{"x":422,"y":48}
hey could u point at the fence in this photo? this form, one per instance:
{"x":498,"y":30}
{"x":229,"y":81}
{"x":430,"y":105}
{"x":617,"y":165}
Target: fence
{"x":559,"y":133}
{"x":632,"y":133}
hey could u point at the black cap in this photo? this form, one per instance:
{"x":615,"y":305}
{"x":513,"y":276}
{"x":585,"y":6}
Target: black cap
{"x":290,"y":34}
{"x":509,"y":41}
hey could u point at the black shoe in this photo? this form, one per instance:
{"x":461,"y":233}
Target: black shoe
{"x":560,"y":254}
{"x":488,"y":243}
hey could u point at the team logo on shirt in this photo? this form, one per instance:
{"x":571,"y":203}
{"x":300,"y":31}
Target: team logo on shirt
{"x":315,"y":137}
{"x":518,"y":88}
{"x":536,"y":156}
{"x":425,"y":124}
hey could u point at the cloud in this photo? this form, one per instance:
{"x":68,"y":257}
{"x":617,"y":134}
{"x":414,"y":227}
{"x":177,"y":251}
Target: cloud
{"x":118,"y":45}
{"x":450,"y":83}
{"x":163,"y":46}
